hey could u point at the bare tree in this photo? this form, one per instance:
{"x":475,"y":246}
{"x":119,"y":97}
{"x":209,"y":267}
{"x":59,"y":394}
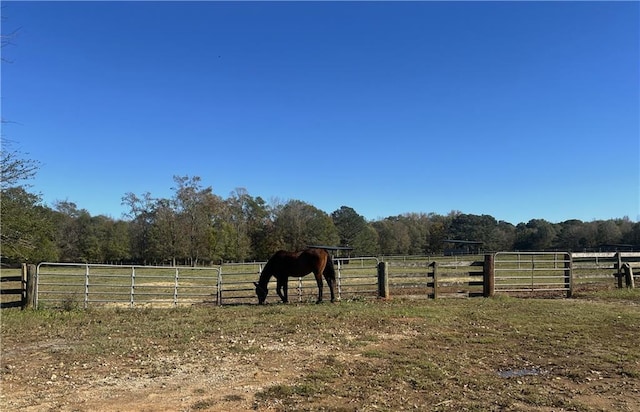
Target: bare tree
{"x":15,"y":168}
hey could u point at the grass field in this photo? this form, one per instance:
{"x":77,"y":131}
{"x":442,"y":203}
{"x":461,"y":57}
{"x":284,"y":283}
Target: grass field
{"x":580,"y":354}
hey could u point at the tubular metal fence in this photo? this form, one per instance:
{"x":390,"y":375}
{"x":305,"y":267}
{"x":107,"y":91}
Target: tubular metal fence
{"x":84,"y":285}
{"x":77,"y":284}
{"x":519,"y":272}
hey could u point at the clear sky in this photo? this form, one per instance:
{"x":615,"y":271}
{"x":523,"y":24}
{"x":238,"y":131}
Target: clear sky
{"x":516,"y":110}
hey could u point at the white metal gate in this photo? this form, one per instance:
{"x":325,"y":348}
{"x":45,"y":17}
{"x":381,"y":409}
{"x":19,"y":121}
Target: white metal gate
{"x":83,"y":285}
{"x":80,"y":285}
{"x":522,"y":272}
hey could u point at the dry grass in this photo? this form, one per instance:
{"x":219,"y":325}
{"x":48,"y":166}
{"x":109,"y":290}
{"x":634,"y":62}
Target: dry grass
{"x":450,"y":355}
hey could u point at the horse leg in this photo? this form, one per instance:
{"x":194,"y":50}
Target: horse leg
{"x":331,"y":282}
{"x":283,"y":290}
{"x":319,"y":282}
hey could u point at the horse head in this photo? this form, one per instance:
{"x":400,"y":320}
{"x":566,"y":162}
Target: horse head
{"x":261,"y":292}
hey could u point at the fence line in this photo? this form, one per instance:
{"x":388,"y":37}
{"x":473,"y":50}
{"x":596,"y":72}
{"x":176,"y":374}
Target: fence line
{"x":75,"y":284}
{"x":84,"y":285}
{"x":455,"y":276}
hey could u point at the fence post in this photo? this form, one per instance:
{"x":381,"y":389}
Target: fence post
{"x":383,"y":280}
{"x":568,"y":274}
{"x":436,"y":279}
{"x":23,"y":285}
{"x":489,"y":276}
{"x":219,"y":286}
{"x":628,"y":276}
{"x":620,"y":273}
{"x":29,"y":277}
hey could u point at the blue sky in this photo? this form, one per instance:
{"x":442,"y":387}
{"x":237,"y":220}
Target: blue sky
{"x":516,"y":110}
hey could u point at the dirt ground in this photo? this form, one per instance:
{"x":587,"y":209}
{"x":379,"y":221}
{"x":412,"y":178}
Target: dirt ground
{"x":177,"y":382}
{"x":216,"y":372}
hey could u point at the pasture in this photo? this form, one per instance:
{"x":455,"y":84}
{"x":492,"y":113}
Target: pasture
{"x":501,"y":353}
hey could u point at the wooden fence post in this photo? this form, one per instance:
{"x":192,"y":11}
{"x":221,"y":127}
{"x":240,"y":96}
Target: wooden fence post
{"x":383,"y":280}
{"x":435,"y":279}
{"x":628,"y":276}
{"x":23,"y":285}
{"x":29,"y":301}
{"x":489,"y":276}
{"x":620,"y":274}
{"x":568,"y":274}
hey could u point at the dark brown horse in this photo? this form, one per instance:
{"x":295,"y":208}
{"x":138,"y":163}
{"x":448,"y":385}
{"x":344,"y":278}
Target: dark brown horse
{"x":284,"y":265}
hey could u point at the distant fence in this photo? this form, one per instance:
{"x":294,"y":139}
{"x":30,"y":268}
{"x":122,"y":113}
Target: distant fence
{"x":595,"y":266}
{"x":75,"y":285}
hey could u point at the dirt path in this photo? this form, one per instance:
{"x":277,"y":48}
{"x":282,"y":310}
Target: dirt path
{"x":41,"y":377}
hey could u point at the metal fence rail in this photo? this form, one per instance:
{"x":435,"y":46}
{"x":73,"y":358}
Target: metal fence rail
{"x":357,"y":277}
{"x":84,"y":285}
{"x":524,"y":272}
{"x":77,"y":284}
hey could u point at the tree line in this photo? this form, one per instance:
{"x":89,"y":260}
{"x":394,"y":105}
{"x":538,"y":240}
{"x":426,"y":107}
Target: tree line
{"x":197,"y":227}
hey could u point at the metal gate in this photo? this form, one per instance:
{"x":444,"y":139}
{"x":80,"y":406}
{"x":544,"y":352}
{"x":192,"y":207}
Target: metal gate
{"x":533,"y":272}
{"x":81,"y":285}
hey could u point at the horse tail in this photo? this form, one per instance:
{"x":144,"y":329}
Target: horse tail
{"x":329,"y":270}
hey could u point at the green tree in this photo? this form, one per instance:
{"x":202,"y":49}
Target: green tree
{"x":258,"y":225}
{"x":366,"y":242}
{"x":607,"y":233}
{"x":575,"y":235}
{"x":26,"y":229}
{"x":299,"y":224}
{"x":503,"y":237}
{"x":245,"y":216}
{"x":117,"y":248}
{"x":355,"y":231}
{"x":90,"y":238}
{"x":67,"y":234}
{"x":437,"y":234}
{"x":537,"y":234}
{"x":164,"y":242}
{"x":472,"y":227}
{"x":197,"y":209}
{"x":418,"y":225}
{"x":142,"y":216}
{"x":393,"y":235}
{"x":348,"y":223}
{"x":632,"y":235}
